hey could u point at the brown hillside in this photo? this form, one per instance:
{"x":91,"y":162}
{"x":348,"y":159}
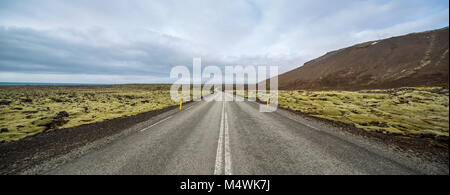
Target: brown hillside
{"x":418,"y":59}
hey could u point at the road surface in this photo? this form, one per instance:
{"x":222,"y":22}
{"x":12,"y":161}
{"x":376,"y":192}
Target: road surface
{"x":223,"y":137}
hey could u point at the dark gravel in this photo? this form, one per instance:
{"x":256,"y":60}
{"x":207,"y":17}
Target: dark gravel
{"x":20,"y":155}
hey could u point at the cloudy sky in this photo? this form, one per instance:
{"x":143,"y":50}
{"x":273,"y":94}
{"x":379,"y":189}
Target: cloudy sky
{"x":116,"y":41}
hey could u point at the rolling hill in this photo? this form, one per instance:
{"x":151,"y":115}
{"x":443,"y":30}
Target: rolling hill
{"x":417,"y":59}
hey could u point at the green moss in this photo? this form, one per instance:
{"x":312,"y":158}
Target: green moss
{"x":405,"y":111}
{"x":85,"y":104}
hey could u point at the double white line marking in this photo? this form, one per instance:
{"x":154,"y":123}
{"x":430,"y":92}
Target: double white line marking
{"x":223,"y":166}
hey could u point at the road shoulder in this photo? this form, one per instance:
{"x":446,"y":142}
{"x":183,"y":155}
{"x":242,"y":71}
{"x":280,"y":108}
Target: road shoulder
{"x":46,"y":150}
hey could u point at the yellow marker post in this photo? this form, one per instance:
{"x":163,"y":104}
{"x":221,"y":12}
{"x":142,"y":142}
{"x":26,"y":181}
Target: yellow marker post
{"x":268,"y":101}
{"x":181,"y":104}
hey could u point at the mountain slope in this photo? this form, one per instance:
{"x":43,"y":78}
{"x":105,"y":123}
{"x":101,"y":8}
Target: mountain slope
{"x":418,"y":59}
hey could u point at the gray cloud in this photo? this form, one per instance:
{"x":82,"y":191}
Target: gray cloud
{"x":27,"y":50}
{"x":141,"y":40}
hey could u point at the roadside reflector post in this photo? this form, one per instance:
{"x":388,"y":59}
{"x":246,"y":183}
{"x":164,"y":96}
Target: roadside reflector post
{"x":181,"y":104}
{"x":268,"y":101}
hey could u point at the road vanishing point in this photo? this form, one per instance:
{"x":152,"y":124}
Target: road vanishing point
{"x":234,"y":138}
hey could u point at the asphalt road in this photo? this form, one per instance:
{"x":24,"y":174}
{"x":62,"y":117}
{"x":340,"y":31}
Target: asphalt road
{"x":223,"y":137}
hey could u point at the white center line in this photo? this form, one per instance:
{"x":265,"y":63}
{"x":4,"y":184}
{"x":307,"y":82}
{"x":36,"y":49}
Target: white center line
{"x":219,"y":161}
{"x":156,"y":123}
{"x":227,"y":148}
